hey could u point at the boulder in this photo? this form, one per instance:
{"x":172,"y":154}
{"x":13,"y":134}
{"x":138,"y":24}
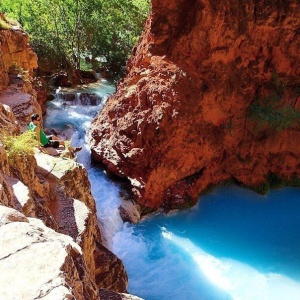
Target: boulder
{"x":195,"y":106}
{"x":57,"y":270}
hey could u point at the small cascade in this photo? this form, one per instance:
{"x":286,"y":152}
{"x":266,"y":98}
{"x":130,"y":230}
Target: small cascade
{"x":75,"y":98}
{"x":234,"y":244}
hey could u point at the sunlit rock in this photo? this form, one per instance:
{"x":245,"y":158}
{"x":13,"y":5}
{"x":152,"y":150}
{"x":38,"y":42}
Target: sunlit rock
{"x":198,"y":104}
{"x":48,"y":264}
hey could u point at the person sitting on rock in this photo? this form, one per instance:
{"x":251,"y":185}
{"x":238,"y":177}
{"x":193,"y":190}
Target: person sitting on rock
{"x":43,"y":139}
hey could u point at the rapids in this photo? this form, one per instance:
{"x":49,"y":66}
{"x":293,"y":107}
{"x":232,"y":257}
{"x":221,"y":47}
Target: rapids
{"x":235,"y":244}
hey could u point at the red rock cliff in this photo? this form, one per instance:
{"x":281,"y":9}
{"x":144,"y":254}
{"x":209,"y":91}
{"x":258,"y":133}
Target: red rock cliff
{"x":211,"y":94}
{"x":15,"y":52}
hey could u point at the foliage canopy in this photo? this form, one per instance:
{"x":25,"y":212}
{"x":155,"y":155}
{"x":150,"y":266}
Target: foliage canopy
{"x":64,"y":32}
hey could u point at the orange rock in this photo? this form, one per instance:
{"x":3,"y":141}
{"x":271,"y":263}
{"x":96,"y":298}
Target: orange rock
{"x":180,"y":120}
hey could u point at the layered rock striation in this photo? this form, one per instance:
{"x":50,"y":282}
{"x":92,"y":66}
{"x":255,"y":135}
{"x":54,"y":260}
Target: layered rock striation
{"x":211,"y":94}
{"x":57,"y":191}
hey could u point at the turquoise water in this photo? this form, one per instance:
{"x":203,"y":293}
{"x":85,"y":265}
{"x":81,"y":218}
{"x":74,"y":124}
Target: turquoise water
{"x":235,"y":244}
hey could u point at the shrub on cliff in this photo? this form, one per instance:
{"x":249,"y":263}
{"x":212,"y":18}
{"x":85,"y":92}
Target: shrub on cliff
{"x":277,"y":118}
{"x":4,"y":25}
{"x":19,"y":145}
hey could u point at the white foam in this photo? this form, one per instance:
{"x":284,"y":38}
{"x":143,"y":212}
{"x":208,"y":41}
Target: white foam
{"x":107,"y":199}
{"x":239,"y":280}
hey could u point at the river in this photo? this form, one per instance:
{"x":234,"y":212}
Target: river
{"x":235,"y":244}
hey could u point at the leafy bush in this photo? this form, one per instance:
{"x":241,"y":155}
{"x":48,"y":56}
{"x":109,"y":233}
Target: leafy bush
{"x":274,"y":181}
{"x":19,"y":145}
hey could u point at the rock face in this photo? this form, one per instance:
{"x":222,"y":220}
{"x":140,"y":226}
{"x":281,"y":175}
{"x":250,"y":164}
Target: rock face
{"x":84,"y":99}
{"x":56,"y":270}
{"x":17,"y":62}
{"x":57,"y":191}
{"x":211,"y":94}
{"x":51,"y":240}
{"x":15,"y":53}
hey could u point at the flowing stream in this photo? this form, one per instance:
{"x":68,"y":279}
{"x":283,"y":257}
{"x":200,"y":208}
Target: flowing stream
{"x":235,"y":244}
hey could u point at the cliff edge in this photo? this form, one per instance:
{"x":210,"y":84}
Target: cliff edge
{"x":51,"y":239}
{"x":211,"y":94}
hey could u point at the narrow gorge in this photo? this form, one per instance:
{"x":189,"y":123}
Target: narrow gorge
{"x":208,"y":110}
{"x":48,"y":223}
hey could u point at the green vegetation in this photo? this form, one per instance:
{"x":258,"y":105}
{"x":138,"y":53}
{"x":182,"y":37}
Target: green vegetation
{"x":270,"y":112}
{"x":4,"y":25}
{"x":66,"y":32}
{"x":274,"y":181}
{"x":19,"y":145}
{"x":212,"y":186}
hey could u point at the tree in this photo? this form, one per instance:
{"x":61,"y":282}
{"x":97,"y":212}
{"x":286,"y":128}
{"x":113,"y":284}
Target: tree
{"x":63,"y":32}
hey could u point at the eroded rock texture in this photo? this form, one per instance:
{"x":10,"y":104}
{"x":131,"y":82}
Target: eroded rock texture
{"x":17,"y":63}
{"x":49,"y":265}
{"x":51,"y":240}
{"x":15,"y":53}
{"x":211,"y":94}
{"x":57,"y":191}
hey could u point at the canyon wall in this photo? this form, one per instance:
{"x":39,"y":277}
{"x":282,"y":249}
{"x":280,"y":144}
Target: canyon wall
{"x":212,"y":94}
{"x":48,"y":222}
{"x":15,"y":53}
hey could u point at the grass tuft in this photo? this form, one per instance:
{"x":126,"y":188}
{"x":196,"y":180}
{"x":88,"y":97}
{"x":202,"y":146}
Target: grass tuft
{"x":13,"y":22}
{"x":19,"y":145}
{"x":4,"y":25}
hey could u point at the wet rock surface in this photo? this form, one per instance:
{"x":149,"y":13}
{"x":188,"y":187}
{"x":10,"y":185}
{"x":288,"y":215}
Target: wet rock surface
{"x":84,"y":99}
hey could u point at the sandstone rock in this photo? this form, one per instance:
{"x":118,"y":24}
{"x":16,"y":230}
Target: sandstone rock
{"x":130,"y":212}
{"x":37,"y":262}
{"x":38,"y":201}
{"x":180,"y":121}
{"x":54,"y":273}
{"x":68,"y":98}
{"x":13,"y":193}
{"x":57,"y":191}
{"x":21,"y":98}
{"x":84,"y":99}
{"x":15,"y":52}
{"x":110,"y":295}
{"x":8,"y":122}
{"x":73,"y":208}
{"x":9,"y":215}
{"x":89,"y":99}
{"x":17,"y":62}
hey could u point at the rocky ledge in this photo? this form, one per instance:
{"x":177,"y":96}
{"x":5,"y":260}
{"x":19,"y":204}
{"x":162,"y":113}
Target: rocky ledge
{"x":51,"y":239}
{"x":56,"y":191}
{"x":211,"y":95}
